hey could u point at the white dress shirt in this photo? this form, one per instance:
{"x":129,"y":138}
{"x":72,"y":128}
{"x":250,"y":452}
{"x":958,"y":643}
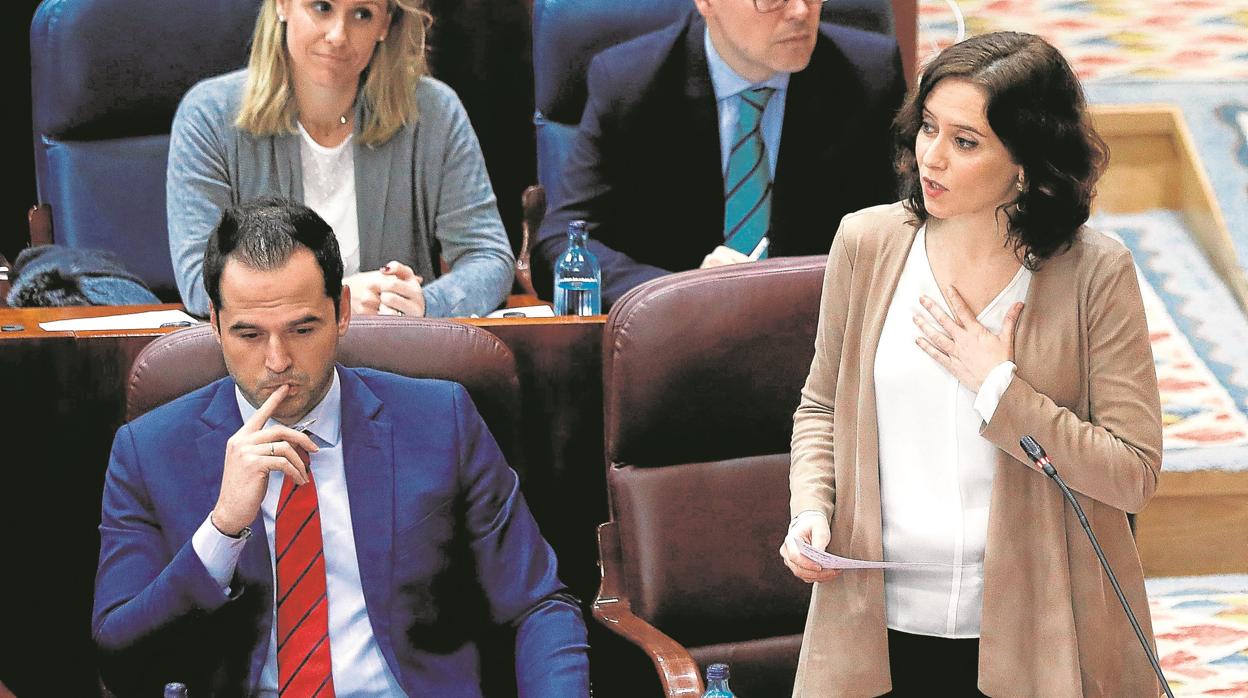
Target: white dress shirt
{"x":728,"y":86}
{"x":936,"y":471}
{"x":329,"y":189}
{"x":358,"y":666}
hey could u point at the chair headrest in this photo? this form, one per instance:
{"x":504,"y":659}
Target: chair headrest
{"x":182,"y":361}
{"x":112,"y":68}
{"x":709,"y":364}
{"x":568,"y":33}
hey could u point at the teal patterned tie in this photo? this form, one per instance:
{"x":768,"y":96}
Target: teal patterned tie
{"x":747,"y":184}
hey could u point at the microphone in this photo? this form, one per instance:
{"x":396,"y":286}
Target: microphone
{"x":1036,"y":453}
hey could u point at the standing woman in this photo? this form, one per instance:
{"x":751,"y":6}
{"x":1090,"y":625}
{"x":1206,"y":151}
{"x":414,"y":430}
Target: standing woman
{"x":927,"y":372}
{"x":335,"y":110}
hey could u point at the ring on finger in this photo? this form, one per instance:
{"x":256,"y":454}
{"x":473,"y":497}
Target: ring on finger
{"x":272,"y":450}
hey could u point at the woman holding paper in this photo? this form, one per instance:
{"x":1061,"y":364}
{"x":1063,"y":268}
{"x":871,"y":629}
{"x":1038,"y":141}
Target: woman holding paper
{"x":927,"y":372}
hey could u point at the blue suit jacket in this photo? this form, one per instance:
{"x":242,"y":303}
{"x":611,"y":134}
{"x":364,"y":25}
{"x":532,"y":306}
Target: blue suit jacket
{"x":447,"y":549}
{"x":645,"y":166}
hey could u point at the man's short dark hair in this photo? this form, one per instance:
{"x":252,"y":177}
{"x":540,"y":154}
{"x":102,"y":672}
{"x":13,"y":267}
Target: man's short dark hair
{"x":263,"y":234}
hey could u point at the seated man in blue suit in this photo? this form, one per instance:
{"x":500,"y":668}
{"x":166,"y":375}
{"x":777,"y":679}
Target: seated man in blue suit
{"x":745,"y":130}
{"x":305,"y":529}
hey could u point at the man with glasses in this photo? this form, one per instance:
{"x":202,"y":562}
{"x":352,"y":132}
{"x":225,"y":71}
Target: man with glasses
{"x":745,"y":130}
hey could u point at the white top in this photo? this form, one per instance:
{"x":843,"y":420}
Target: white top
{"x":936,"y":471}
{"x":329,"y":189}
{"x":358,"y":666}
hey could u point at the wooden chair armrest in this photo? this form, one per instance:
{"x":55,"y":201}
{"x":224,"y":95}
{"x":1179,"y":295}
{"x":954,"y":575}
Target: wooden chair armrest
{"x":533,"y":202}
{"x":678,"y":672}
{"x":39,"y":218}
{"x":6,"y":282}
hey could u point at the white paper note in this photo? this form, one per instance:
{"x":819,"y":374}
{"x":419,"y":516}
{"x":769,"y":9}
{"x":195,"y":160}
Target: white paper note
{"x":828,"y":561}
{"x":149,"y":320}
{"x":524,"y":311}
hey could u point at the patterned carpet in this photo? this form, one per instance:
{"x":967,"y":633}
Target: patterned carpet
{"x":1188,"y":40}
{"x":1201,"y":626}
{"x":1200,"y":343}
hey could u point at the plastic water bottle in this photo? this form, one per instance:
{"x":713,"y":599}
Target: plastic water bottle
{"x":578,"y":278}
{"x":717,"y":682}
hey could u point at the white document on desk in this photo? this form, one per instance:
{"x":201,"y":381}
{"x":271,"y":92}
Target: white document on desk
{"x":524,"y":311}
{"x":828,"y":561}
{"x":150,"y":320}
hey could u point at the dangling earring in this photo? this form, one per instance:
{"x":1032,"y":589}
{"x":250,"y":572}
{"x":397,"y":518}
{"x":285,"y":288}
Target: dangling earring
{"x":1020,"y":186}
{"x":281,"y":19}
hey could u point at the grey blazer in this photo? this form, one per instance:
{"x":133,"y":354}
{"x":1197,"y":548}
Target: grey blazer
{"x":427,"y":186}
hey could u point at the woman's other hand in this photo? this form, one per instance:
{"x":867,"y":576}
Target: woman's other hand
{"x":365,"y":292}
{"x":811,"y":527}
{"x":392,"y":290}
{"x":961,"y":344}
{"x":400,"y":292}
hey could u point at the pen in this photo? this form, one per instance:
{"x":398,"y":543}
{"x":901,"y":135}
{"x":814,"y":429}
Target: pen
{"x":179,"y":323}
{"x":305,"y":425}
{"x":760,"y":249}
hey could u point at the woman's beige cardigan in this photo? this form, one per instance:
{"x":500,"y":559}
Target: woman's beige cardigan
{"x":1085,"y":388}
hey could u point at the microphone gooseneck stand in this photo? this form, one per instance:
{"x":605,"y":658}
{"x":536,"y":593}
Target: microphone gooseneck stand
{"x":1036,"y":453}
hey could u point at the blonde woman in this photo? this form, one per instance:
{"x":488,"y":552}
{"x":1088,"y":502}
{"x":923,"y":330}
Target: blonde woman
{"x":335,"y":109}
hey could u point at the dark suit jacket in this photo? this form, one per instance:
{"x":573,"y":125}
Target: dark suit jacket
{"x":645,"y":168}
{"x":445,"y":541}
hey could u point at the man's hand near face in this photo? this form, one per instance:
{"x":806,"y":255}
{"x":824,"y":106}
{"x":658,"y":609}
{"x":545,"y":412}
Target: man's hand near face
{"x":250,"y":455}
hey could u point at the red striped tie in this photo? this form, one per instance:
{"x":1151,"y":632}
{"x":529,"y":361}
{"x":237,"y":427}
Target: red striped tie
{"x":303,"y":663}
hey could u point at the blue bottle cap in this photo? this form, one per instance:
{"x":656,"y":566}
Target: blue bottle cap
{"x":716,"y":672}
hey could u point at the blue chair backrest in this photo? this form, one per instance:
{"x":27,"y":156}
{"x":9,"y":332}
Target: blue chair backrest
{"x":568,"y":33}
{"x":106,"y":78}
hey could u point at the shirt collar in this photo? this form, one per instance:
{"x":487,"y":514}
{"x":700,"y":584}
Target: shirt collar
{"x":327,"y":413}
{"x":726,"y":82}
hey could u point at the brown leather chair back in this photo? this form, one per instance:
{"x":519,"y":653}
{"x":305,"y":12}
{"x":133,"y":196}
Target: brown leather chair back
{"x":702,"y":374}
{"x":182,"y":361}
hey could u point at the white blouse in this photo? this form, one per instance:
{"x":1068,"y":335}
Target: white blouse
{"x":936,"y":471}
{"x":329,"y":189}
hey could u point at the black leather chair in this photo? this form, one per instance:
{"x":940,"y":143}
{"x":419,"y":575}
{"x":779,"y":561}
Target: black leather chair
{"x":106,"y":78}
{"x":702,"y":372}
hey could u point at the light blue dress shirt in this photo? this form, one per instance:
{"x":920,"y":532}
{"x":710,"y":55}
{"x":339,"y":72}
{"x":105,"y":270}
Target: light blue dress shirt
{"x":359,"y":668}
{"x":728,"y":86}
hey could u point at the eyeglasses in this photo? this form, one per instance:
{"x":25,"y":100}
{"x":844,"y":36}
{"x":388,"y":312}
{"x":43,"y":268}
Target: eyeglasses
{"x":773,"y":5}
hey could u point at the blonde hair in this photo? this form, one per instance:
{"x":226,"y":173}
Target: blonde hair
{"x":388,"y":85}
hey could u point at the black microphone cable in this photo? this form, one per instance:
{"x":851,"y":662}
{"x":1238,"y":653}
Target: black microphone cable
{"x":1036,"y":453}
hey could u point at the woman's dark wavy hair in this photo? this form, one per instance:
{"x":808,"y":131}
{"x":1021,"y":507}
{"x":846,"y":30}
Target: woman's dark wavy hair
{"x":1036,"y":107}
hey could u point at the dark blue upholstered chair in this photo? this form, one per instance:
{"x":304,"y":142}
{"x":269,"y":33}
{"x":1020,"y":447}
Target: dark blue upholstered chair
{"x":106,"y":78}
